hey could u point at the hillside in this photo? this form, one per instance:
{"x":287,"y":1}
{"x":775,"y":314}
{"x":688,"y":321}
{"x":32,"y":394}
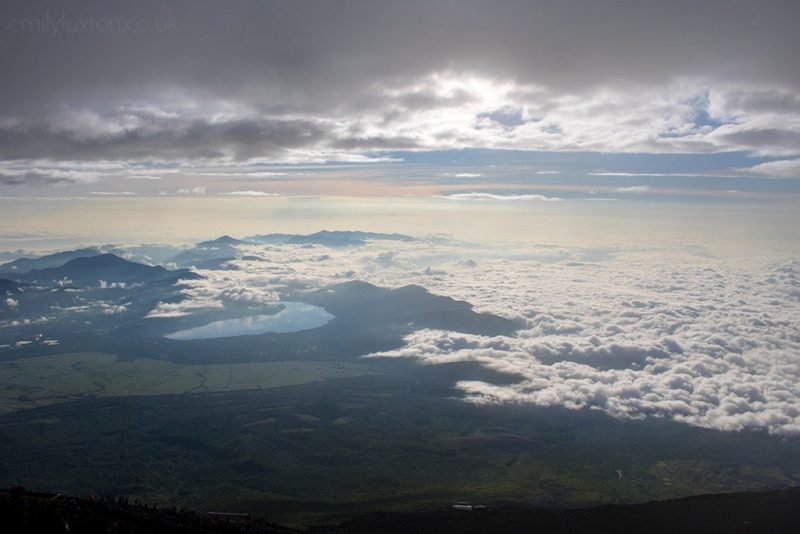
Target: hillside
{"x":774,"y":511}
{"x":25,"y":511}
{"x":90,"y":270}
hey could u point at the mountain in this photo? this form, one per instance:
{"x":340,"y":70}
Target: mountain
{"x":212,"y":254}
{"x":149,"y":254}
{"x":270,"y":238}
{"x":366,"y":319}
{"x":24,"y":265}
{"x":410,"y":307}
{"x":328,"y":238}
{"x":223,"y":241}
{"x":91,"y":270}
{"x":209,"y":254}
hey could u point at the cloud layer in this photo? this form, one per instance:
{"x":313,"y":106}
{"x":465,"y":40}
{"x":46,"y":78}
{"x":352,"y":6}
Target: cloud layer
{"x":277,"y":82}
{"x":708,"y":342}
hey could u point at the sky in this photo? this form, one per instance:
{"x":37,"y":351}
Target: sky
{"x":150,"y":97}
{"x":115,"y":107}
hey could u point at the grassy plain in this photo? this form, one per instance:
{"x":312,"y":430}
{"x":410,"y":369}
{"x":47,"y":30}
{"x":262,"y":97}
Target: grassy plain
{"x":45,"y":380}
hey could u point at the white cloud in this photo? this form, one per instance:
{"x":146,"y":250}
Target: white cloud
{"x":633,"y":189}
{"x":698,"y":342}
{"x":246,"y":174}
{"x":643,"y":174}
{"x":251,"y":194}
{"x":440,"y":110}
{"x":493,"y":196}
{"x":13,"y":304}
{"x":217,"y":288}
{"x":182,"y":309}
{"x":199,"y":190}
{"x":785,"y":168}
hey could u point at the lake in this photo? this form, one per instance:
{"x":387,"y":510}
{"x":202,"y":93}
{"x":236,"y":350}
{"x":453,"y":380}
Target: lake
{"x":294,"y":317}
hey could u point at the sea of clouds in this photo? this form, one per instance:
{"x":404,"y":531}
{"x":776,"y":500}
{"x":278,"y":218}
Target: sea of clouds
{"x":634,"y":333}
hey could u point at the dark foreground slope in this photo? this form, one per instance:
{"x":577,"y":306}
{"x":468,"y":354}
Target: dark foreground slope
{"x":24,"y":511}
{"x":774,"y":512}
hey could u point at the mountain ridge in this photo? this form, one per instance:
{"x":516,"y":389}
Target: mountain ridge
{"x":57,"y":259}
{"x":92,"y":269}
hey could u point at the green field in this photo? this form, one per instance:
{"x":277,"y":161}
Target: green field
{"x":35,"y":382}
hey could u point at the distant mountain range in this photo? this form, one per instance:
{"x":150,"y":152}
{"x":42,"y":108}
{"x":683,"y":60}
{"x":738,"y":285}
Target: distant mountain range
{"x":220,"y":242}
{"x":222,"y":248}
{"x":214,"y":253}
{"x":116,"y":297}
{"x":24,"y":265}
{"x":89,"y":271}
{"x":332,"y":239}
{"x":211,"y":254}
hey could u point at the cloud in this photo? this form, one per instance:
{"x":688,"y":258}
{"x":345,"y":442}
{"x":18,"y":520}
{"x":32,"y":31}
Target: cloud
{"x":13,"y":304}
{"x":633,"y":189}
{"x":199,"y":190}
{"x":42,"y":177}
{"x":113,"y":193}
{"x":634,"y":174}
{"x":696,"y":340}
{"x":701,"y":343}
{"x":40,"y":172}
{"x":215,"y":290}
{"x":493,"y":196}
{"x":245,"y":174}
{"x":576,"y":46}
{"x":203,"y":131}
{"x":786,"y":168}
{"x":428,"y":77}
{"x":166,"y":310}
{"x":251,"y":194}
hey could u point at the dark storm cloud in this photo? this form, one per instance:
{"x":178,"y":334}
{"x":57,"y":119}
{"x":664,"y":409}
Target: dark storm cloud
{"x":40,"y":177}
{"x":171,"y":139}
{"x":325,"y":47}
{"x":239,"y":80}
